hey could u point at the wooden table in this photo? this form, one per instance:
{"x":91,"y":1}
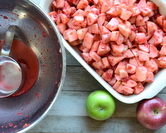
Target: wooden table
{"x":68,"y":113}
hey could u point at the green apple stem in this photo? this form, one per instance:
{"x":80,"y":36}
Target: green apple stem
{"x":100,"y":108}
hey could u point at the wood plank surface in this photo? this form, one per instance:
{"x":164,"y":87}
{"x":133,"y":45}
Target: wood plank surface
{"x":68,"y":113}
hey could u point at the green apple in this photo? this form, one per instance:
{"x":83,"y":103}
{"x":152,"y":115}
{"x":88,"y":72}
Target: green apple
{"x":100,"y":105}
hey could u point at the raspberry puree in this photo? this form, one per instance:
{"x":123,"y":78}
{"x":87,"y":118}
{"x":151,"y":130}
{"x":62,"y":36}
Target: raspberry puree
{"x":28,"y":61}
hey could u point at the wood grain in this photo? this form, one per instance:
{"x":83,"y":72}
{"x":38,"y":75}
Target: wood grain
{"x":72,"y":124}
{"x":68,"y":113}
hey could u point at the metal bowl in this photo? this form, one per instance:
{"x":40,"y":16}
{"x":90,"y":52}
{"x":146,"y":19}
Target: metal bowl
{"x":20,"y":113}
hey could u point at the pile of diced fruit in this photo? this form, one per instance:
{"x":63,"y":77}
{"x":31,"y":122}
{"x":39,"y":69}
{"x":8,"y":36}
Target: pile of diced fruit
{"x":123,"y":40}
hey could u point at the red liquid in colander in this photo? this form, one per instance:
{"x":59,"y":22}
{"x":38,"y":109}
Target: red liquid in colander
{"x":28,"y":61}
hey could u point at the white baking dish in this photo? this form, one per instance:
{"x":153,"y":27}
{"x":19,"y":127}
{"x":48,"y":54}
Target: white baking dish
{"x":151,"y":89}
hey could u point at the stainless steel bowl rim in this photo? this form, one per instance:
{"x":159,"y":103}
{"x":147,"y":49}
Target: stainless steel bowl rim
{"x":63,"y":68}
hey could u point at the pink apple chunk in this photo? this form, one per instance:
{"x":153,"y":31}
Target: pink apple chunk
{"x":151,"y":113}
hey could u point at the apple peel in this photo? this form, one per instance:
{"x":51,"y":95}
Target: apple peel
{"x":100,"y":105}
{"x":151,"y":113}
